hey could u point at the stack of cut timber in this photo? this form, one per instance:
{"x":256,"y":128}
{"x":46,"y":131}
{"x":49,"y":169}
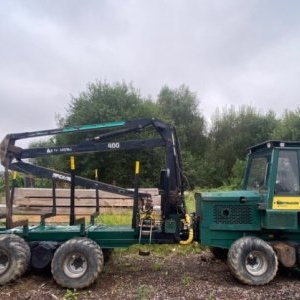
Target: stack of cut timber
{"x":36,"y":201}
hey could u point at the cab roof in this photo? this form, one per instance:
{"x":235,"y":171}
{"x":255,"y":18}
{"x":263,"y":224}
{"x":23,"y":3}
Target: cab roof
{"x":274,"y":144}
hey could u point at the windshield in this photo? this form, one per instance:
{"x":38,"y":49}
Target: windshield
{"x":258,"y":172}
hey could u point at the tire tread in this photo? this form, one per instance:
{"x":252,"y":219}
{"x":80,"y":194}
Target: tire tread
{"x":56,"y":267}
{"x":20,"y":253}
{"x":236,"y":266}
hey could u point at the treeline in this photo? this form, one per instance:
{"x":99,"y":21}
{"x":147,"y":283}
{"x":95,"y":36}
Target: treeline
{"x":213,"y":150}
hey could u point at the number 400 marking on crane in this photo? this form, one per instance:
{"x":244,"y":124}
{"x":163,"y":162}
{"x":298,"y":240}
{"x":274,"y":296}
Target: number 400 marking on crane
{"x":115,"y":145}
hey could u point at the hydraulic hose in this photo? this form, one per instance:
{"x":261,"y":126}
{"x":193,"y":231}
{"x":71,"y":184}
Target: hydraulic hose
{"x":191,"y":232}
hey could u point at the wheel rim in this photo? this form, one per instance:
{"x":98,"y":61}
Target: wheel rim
{"x":75,"y":265}
{"x":4,"y":262}
{"x":256,"y":263}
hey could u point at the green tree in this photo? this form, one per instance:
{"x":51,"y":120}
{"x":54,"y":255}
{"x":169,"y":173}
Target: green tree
{"x":288,"y":128}
{"x":232,"y":132}
{"x":237,"y":173}
{"x":181,"y":107}
{"x":104,"y":102}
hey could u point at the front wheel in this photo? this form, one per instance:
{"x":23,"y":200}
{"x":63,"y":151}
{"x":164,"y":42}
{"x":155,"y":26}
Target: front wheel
{"x":77,"y":263}
{"x":252,"y":261}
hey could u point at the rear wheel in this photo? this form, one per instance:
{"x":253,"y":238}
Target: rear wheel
{"x":14,"y":257}
{"x":252,"y":261}
{"x":77,"y":263}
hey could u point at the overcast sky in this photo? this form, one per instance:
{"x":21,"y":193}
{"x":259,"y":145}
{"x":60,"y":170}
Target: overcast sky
{"x":229,"y":52}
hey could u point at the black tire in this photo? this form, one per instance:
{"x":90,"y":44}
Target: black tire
{"x":252,"y":261}
{"x":14,"y":257}
{"x":219,"y":253}
{"x":77,"y":263}
{"x":107,"y":253}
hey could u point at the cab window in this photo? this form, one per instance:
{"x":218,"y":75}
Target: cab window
{"x":258,"y":173}
{"x":287,"y":178}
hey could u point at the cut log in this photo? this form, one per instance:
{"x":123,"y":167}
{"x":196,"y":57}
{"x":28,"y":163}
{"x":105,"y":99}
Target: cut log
{"x":36,"y":201}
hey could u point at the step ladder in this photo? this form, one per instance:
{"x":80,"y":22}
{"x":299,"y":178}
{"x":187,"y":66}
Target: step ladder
{"x":146,"y":228}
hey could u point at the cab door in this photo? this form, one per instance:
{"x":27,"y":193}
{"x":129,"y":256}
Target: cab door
{"x":286,"y":190}
{"x":284,"y":193}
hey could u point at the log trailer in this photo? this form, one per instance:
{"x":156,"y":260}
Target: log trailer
{"x":255,"y":228}
{"x":76,"y":251}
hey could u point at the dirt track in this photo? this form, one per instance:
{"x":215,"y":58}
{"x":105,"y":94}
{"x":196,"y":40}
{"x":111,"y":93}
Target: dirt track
{"x":130,"y":276}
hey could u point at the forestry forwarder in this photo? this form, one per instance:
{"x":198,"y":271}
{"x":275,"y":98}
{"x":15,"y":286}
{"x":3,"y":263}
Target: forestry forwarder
{"x":256,"y":227}
{"x":76,"y":251}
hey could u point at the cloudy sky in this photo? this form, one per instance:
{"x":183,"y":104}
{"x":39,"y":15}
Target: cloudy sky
{"x":229,"y":52}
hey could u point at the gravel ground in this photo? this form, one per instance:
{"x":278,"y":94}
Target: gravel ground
{"x":130,"y":276}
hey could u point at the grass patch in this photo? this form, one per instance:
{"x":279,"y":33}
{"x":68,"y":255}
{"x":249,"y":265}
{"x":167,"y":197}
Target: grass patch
{"x":222,"y":188}
{"x":190,"y":202}
{"x":143,"y":293}
{"x":115,"y":219}
{"x":156,"y":267}
{"x":186,"y":279}
{"x":71,"y":295}
{"x":125,"y":218}
{"x":164,"y":250}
